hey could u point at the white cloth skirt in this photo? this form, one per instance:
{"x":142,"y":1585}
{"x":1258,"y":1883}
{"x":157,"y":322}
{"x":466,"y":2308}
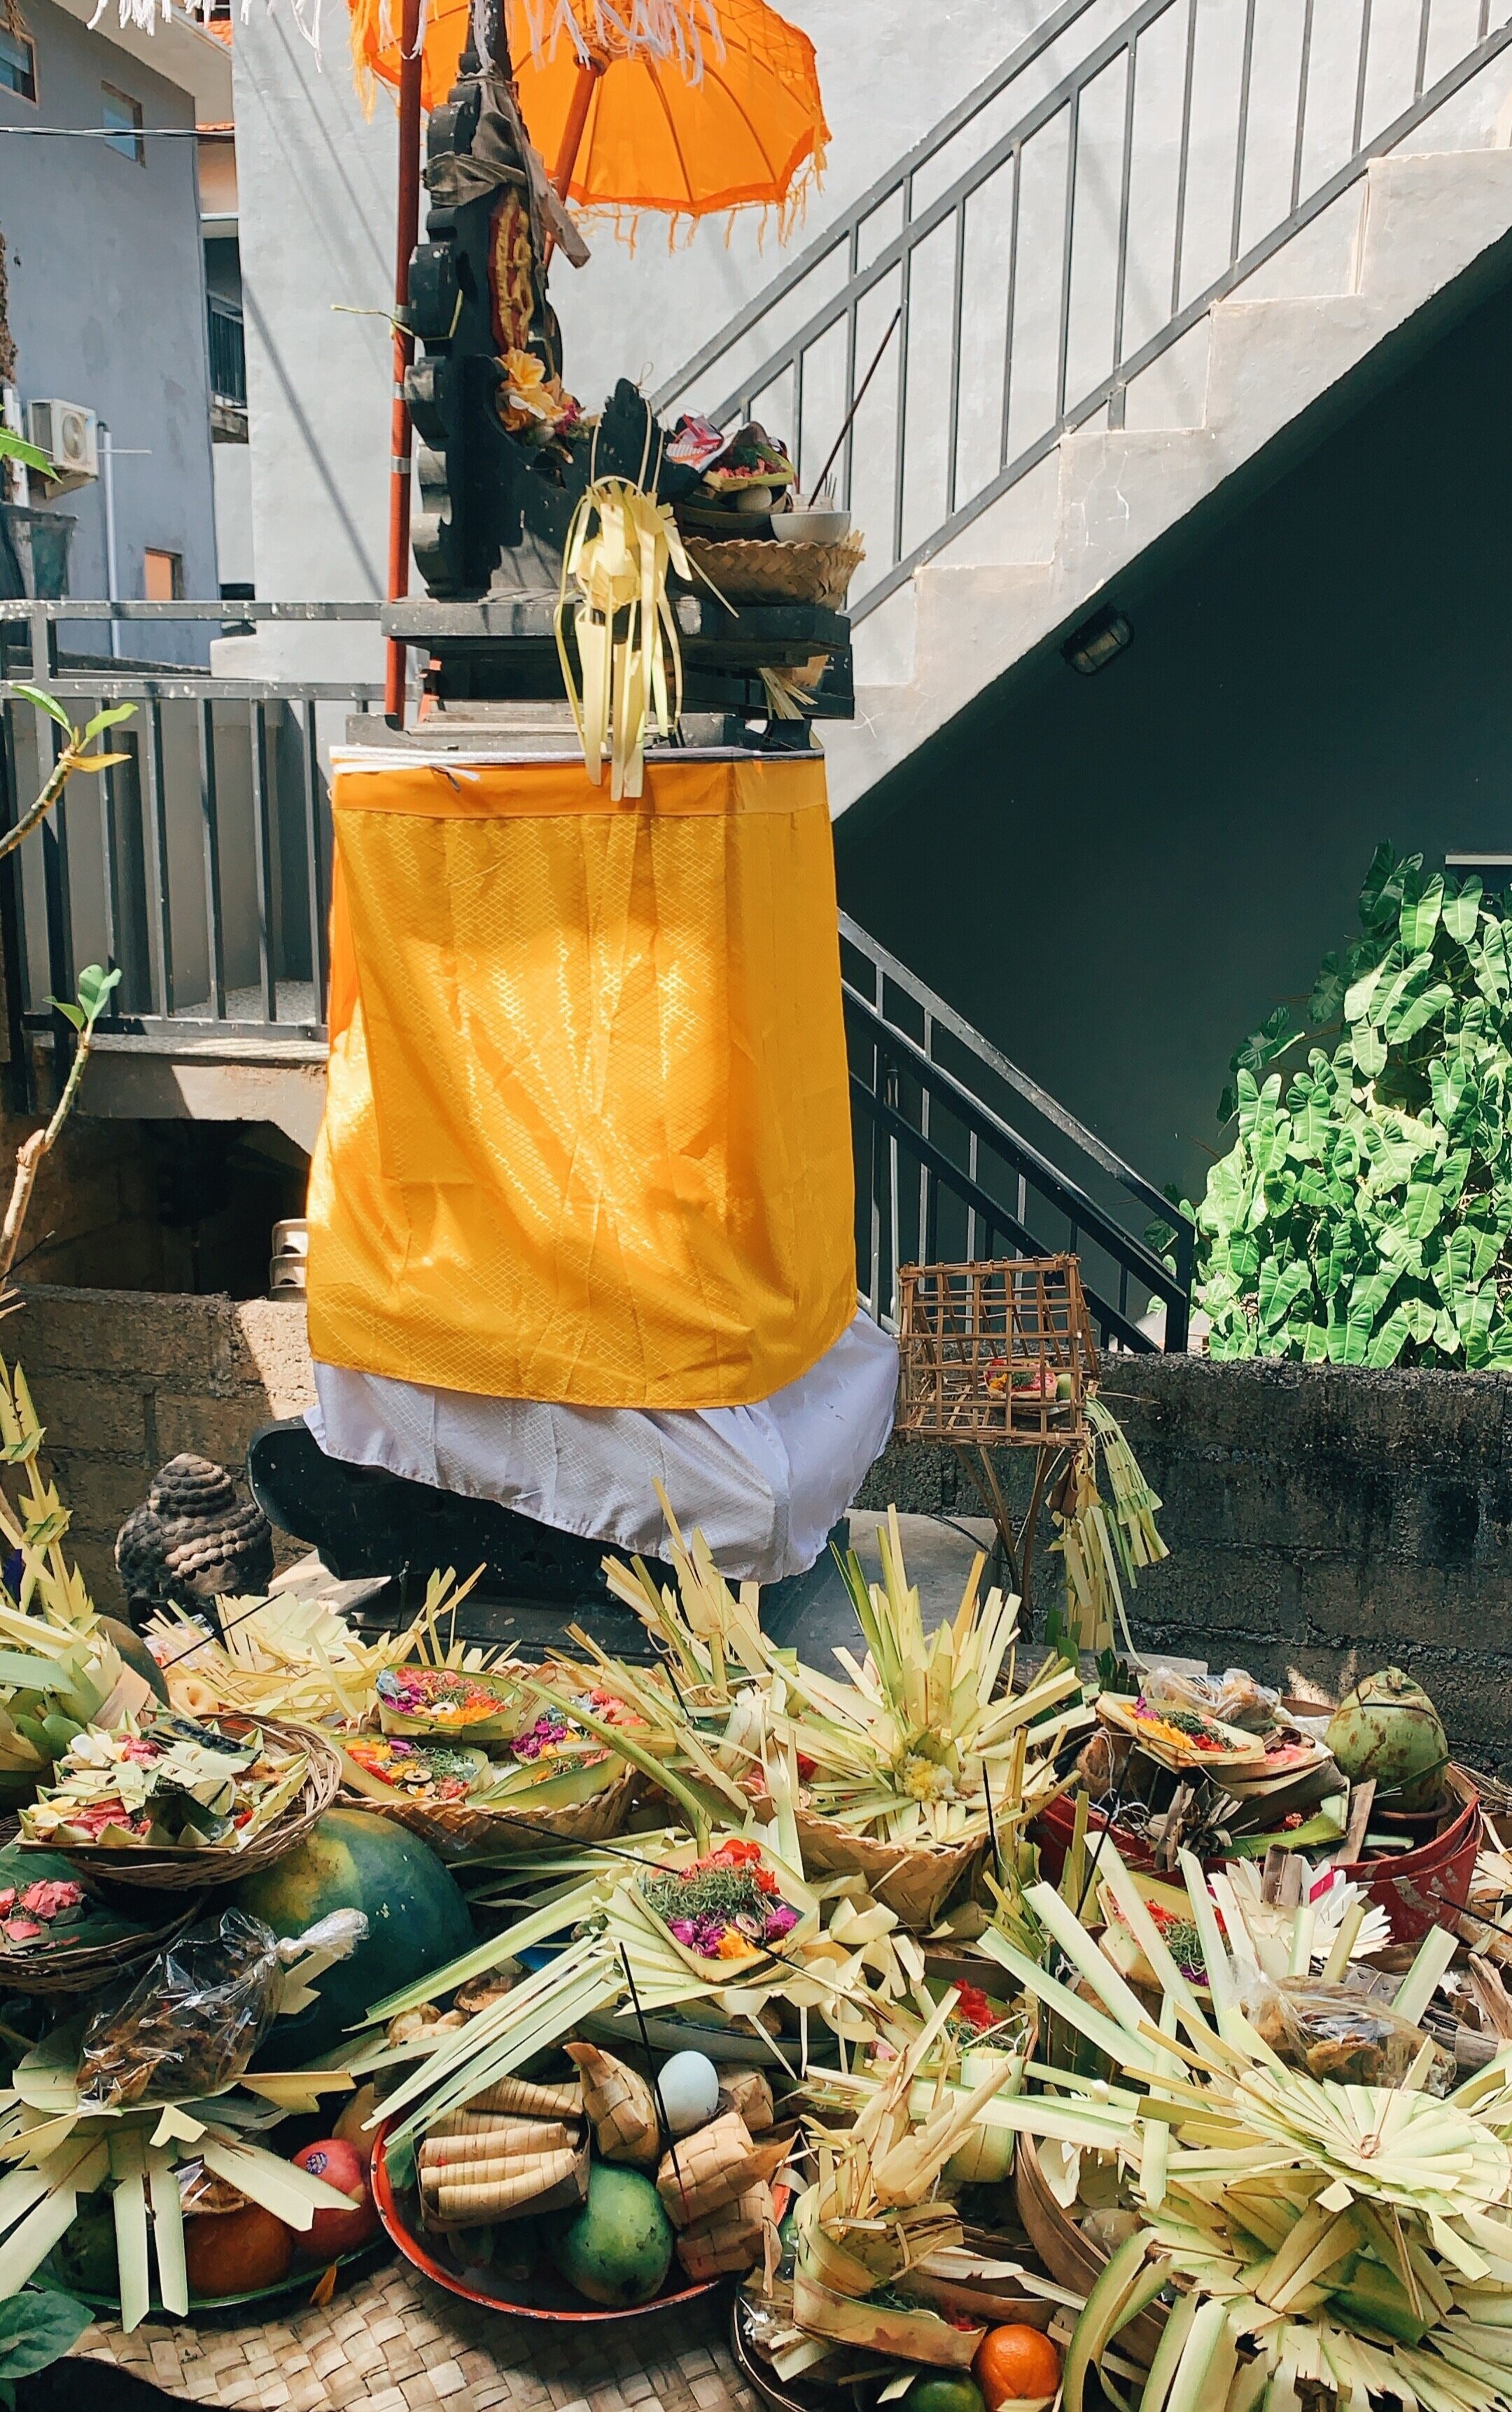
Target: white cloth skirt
{"x":764,"y":1484}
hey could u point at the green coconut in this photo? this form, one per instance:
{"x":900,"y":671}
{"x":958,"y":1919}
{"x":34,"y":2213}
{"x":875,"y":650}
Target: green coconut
{"x":618,"y":2248}
{"x":1388,"y":1727}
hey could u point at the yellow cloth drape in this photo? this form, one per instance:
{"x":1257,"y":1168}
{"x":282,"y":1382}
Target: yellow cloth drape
{"x":587,"y":1132}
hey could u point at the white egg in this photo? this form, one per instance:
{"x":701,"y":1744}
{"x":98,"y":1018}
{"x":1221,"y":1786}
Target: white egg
{"x":689,"y":2084}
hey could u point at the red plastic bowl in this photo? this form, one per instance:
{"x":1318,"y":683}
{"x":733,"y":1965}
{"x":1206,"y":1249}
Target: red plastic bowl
{"x":1419,"y":1889}
{"x":1431,"y":1886}
{"x":548,"y":2298}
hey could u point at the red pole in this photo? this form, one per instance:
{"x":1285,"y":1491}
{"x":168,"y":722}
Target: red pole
{"x":407,"y":236}
{"x":582,"y":100}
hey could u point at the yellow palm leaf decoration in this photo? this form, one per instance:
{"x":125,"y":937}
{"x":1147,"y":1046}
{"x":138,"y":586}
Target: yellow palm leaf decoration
{"x":618,"y":548}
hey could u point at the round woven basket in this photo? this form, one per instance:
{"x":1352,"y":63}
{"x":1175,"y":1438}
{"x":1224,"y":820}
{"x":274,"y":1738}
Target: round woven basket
{"x":1071,"y":2259}
{"x":460,"y":1832}
{"x":746,"y":571}
{"x":196,"y":1871}
{"x":91,"y":1965}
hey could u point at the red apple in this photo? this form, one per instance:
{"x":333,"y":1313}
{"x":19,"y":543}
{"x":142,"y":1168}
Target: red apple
{"x":333,"y":2233}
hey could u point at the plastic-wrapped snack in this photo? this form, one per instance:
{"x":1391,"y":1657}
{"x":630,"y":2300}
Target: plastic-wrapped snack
{"x":1335,"y":2031}
{"x":189,"y":2023}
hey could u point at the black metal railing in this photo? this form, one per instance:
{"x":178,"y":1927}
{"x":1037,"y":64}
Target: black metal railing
{"x":227,"y":353}
{"x":942,"y":1176}
{"x":199,"y":865}
{"x":1132,"y":189}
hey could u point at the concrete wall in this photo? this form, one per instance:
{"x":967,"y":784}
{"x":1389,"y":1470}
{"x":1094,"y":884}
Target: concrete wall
{"x":124,"y":1381}
{"x":1160,"y":854}
{"x":106,"y":302}
{"x":1321,"y":1520}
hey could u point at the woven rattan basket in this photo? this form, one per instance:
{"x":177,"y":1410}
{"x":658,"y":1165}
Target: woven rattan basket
{"x":1071,"y":2259}
{"x":914,"y":1880}
{"x":92,"y":1965}
{"x":754,"y":572}
{"x":196,"y":1871}
{"x":460,"y":1832}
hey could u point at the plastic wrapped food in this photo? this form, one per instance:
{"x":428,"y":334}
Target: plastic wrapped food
{"x":1235,"y":1700}
{"x":1335,"y":2031}
{"x":190,"y":2023}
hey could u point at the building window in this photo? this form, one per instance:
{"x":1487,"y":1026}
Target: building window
{"x":227,"y":353}
{"x":18,"y":62}
{"x":162,"y":576}
{"x":122,"y":116}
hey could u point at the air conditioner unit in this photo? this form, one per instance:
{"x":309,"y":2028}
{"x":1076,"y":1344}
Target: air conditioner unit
{"x":66,"y":432}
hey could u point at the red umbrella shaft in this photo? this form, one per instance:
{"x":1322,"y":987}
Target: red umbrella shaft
{"x":399,"y":440}
{"x":572,"y":133}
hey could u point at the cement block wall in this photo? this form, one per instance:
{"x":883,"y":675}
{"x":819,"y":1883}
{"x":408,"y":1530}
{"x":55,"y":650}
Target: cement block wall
{"x":1320,"y":1519}
{"x":124,"y":1379}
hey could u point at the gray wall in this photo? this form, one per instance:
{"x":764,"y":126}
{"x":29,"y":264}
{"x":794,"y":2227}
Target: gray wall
{"x":1319,"y":1519}
{"x":106,"y":302}
{"x":1117,"y":877}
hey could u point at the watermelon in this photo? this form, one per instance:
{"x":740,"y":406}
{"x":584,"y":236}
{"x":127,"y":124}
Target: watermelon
{"x":417,"y":1920}
{"x":618,"y":2248}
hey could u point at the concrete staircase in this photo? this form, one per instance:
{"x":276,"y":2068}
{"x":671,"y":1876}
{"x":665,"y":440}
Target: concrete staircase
{"x":1430,"y":231}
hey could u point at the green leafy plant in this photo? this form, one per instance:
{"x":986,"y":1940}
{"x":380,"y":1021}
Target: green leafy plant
{"x":1363,"y":1214}
{"x":36,"y":2328}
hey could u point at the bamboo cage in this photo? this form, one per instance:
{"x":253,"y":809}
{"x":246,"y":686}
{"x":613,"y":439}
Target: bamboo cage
{"x":1000,"y":1354}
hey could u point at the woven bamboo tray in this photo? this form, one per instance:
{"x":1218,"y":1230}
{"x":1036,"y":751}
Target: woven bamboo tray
{"x":754,"y":572}
{"x":1071,"y":2259}
{"x":460,"y":1832}
{"x":196,"y":1871}
{"x":93,"y":1963}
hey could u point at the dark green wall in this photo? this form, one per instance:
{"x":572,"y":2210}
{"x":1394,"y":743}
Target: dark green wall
{"x":1116,"y":877}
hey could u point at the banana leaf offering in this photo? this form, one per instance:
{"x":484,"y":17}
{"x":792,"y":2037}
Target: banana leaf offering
{"x":165,"y":1784}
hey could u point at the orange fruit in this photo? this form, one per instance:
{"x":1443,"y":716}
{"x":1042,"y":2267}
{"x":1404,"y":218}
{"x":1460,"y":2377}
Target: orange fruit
{"x":1013,"y":2363}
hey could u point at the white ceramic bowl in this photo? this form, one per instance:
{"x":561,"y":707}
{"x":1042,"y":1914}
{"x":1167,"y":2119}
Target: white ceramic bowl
{"x":811,"y":528}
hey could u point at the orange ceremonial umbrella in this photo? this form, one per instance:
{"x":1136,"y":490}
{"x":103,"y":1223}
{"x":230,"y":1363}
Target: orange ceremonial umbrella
{"x":686,"y":107}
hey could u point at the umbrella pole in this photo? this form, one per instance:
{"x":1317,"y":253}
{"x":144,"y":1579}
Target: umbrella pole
{"x":407,"y":236}
{"x":572,"y":133}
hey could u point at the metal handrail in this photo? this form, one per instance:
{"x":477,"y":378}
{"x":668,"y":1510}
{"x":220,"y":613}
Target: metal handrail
{"x":200,"y":865}
{"x":935,"y":1137}
{"x":890,"y":272}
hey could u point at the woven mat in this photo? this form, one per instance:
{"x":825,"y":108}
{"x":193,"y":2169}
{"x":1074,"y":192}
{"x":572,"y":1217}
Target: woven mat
{"x":397,"y":2343}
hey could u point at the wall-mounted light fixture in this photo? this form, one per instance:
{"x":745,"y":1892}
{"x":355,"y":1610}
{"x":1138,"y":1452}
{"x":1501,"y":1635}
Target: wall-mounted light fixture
{"x":1093,"y":645}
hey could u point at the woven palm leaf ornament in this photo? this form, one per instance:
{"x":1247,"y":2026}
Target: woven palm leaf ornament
{"x":1309,"y":2236}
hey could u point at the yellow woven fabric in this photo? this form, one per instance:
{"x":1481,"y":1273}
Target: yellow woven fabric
{"x":587,"y":1132}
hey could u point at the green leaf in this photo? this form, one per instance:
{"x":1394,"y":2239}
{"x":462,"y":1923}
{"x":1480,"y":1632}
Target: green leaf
{"x":1369,"y":1049}
{"x":1329,"y":989}
{"x":1462,"y":910}
{"x":1424,"y":1208}
{"x":1281,"y":1288}
{"x":1380,"y":898}
{"x":47,"y":703}
{"x":1420,"y":913}
{"x":108,"y":720}
{"x":15,"y":448}
{"x":95,"y":986}
{"x":1388,"y":1343}
{"x":1358,"y":995}
{"x":70,"y":1012}
{"x":38,"y":2327}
